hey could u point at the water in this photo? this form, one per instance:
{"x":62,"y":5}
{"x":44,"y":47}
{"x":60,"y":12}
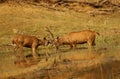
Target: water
{"x":99,"y":63}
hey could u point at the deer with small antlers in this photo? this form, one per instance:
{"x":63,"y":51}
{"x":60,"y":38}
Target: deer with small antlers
{"x":21,"y":40}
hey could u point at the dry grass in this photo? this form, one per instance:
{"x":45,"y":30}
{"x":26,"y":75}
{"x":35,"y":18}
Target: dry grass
{"x":32,"y":20}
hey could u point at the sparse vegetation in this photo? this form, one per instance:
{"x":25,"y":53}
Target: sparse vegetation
{"x":32,"y":20}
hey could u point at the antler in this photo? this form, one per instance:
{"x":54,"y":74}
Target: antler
{"x":48,"y":30}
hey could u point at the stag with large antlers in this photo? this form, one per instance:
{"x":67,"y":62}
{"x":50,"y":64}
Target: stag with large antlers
{"x":73,"y":38}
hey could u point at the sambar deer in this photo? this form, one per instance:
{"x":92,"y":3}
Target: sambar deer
{"x":32,"y":42}
{"x":73,"y":38}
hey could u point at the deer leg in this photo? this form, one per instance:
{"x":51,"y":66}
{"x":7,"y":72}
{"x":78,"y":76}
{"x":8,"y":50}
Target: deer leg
{"x":15,"y":50}
{"x":73,"y":46}
{"x":21,"y":53}
{"x":16,"y":47}
{"x":93,"y":43}
{"x":35,"y":55}
{"x":19,"y":56}
{"x":90,"y":45}
{"x":17,"y":60}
